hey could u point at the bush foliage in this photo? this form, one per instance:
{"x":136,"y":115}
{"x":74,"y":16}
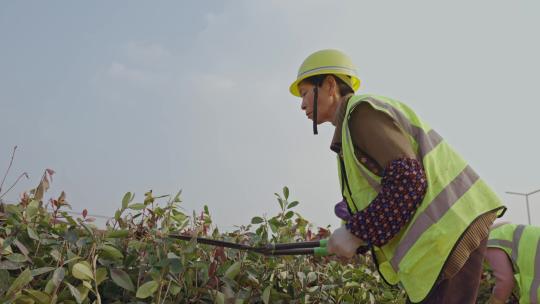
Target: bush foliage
{"x":50,"y":256}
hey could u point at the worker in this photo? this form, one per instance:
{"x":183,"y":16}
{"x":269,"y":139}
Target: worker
{"x":407,"y":195}
{"x":513,"y":254}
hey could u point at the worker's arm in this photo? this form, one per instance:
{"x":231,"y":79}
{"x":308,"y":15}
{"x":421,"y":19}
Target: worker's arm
{"x":378,"y":135}
{"x":403,"y":183}
{"x":503,"y":273}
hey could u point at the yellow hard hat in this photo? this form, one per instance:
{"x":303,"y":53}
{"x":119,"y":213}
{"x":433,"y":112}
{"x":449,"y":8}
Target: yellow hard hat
{"x":327,"y":62}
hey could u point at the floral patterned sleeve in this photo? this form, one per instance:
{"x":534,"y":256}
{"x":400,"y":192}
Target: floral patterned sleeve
{"x":403,"y":188}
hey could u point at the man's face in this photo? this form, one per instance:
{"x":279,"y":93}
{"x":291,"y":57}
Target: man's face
{"x":307,"y":94}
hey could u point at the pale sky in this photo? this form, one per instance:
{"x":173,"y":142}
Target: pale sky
{"x":120,"y":96}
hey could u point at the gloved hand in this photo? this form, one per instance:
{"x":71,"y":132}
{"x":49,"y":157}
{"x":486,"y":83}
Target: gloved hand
{"x":343,"y":243}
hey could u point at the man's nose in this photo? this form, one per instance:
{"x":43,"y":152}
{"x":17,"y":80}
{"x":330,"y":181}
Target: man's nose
{"x":303,"y":105}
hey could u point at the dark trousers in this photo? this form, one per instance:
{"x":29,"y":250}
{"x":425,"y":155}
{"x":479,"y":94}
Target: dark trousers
{"x":462,"y":288}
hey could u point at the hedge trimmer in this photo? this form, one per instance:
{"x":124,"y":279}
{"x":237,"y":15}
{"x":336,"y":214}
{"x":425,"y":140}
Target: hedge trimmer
{"x":317,"y":248}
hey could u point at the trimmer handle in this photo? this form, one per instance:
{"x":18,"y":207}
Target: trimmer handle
{"x":323,"y":251}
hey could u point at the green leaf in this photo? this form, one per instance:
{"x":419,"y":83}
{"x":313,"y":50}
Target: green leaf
{"x":312,"y":277}
{"x":17,"y":258}
{"x":219,"y":297}
{"x":292,"y":205}
{"x":87,"y":228}
{"x":148,"y":198}
{"x":101,"y":275}
{"x":74,"y":292}
{"x":313,"y":288}
{"x":6,"y":248}
{"x":233,"y":270}
{"x":23,"y":299}
{"x":274,"y":221}
{"x":177,"y":197}
{"x":83,"y":290}
{"x":9,"y":265}
{"x":71,"y":236}
{"x":352,"y":284}
{"x":273,"y":227}
{"x":86,"y":284}
{"x":257,"y":220}
{"x":32,"y":209}
{"x":24,"y":278}
{"x":175,"y":265}
{"x":111,"y":252}
{"x":49,"y":287}
{"x":39,"y":296}
{"x":69,"y":218}
{"x":117,"y":215}
{"x":147,"y":289}
{"x":5,"y":279}
{"x":13,"y":209}
{"x":289,"y":215}
{"x":180,"y":217}
{"x":32,"y":234}
{"x":69,"y":261}
{"x":22,"y":248}
{"x":55,"y":254}
{"x":137,"y":206}
{"x":286,"y":192}
{"x":42,"y":270}
{"x":58,"y":276}
{"x":82,"y":272}
{"x":135,"y":245}
{"x":126,"y":200}
{"x":117,"y":233}
{"x":387,"y":294}
{"x":175,"y":289}
{"x":266,"y":294}
{"x":122,"y":279}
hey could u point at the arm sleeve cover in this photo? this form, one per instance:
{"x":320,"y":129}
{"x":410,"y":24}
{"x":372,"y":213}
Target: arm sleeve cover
{"x":503,"y":273}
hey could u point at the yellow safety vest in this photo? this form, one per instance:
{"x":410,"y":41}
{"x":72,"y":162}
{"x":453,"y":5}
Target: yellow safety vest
{"x":455,"y":197}
{"x":522,"y":245}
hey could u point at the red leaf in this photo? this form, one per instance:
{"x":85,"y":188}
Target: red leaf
{"x":62,"y":198}
{"x":50,"y":172}
{"x":212,"y":269}
{"x":84,"y":213}
{"x":323,"y":233}
{"x":219,"y":254}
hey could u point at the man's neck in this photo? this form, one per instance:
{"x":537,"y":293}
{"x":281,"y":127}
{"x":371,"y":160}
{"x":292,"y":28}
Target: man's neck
{"x":339,"y":111}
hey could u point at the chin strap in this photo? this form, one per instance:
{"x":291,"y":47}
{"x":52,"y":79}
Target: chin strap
{"x":315,"y":97}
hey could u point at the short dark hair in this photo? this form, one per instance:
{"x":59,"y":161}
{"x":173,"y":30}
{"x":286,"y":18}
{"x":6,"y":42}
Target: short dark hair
{"x":317,"y":80}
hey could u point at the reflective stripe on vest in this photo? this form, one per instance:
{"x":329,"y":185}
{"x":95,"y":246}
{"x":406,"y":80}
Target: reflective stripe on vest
{"x":455,"y":197}
{"x":427,"y":141}
{"x":524,"y":252}
{"x":436,"y":210}
{"x":533,"y":294}
{"x":515,"y":239}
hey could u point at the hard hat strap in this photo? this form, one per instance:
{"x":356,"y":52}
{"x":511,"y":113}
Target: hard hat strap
{"x":315,"y":97}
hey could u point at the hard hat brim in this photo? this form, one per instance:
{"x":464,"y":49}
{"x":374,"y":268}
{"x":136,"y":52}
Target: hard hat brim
{"x":352,"y":81}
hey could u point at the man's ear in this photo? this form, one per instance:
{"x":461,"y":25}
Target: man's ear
{"x":330,"y":81}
